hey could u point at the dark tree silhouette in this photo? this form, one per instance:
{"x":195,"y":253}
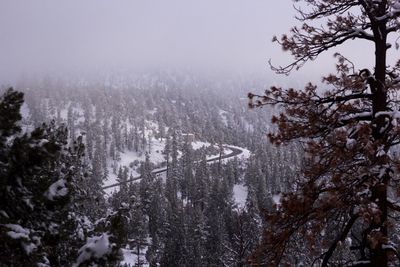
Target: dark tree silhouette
{"x":349,"y":188}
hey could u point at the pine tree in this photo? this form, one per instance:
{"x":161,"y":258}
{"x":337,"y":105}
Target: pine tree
{"x":200,"y":189}
{"x":146,"y":184}
{"x":246,"y":231}
{"x":71,"y":121}
{"x":167,"y":151}
{"x":88,"y":132}
{"x":104,"y":244}
{"x":187,"y":169}
{"x":174,"y":253}
{"x":39,"y":189}
{"x":156,"y":224}
{"x":138,"y":231}
{"x":97,"y":174}
{"x":196,"y":237}
{"x":215,"y":225}
{"x":116,"y":133}
{"x":136,"y":139}
{"x":349,"y":131}
{"x":173,"y":173}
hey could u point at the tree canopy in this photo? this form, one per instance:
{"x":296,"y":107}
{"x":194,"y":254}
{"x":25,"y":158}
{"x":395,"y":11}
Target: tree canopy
{"x":346,"y":206}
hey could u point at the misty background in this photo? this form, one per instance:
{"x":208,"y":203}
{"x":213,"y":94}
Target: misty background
{"x":76,"y":37}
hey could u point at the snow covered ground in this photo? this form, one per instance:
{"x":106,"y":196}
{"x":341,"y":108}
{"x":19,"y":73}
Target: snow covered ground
{"x":245,"y":155}
{"x":240,"y":195}
{"x":156,"y":157}
{"x":223,"y":115}
{"x":132,"y":159}
{"x":132,"y":259}
{"x":199,"y":144}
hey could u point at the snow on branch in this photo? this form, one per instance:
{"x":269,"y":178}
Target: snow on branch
{"x":18,"y":232}
{"x":96,"y":247}
{"x":56,"y":190}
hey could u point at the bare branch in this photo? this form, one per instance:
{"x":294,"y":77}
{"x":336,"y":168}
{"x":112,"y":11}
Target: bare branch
{"x":341,"y":237}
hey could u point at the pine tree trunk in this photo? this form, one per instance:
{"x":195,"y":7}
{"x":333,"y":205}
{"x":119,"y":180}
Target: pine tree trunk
{"x":378,"y":254}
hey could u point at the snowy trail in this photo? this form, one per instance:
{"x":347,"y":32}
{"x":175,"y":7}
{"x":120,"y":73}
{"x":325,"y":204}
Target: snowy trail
{"x":236,"y":151}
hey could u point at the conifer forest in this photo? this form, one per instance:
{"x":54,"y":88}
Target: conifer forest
{"x":142,"y":135}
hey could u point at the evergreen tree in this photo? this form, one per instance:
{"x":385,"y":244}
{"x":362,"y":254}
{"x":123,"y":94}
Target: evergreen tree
{"x":173,"y":173}
{"x":70,"y":121}
{"x":349,"y":132}
{"x":156,"y":224}
{"x":138,"y":231}
{"x":39,"y":186}
{"x":215,"y":225}
{"x":187,"y":161}
{"x":174,"y":253}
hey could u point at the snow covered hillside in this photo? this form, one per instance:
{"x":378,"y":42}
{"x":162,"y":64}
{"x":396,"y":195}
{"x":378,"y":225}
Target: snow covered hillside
{"x":169,"y":173}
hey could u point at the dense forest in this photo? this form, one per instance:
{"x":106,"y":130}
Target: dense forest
{"x":141,"y":134}
{"x":82,"y":187}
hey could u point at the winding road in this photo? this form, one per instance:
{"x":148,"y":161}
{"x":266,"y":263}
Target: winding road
{"x":235,"y":152}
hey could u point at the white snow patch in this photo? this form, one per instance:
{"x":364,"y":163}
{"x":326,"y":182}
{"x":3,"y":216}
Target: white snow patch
{"x":25,"y":112}
{"x":226,"y":151}
{"x":240,"y":195}
{"x":29,"y":247}
{"x":129,"y":257}
{"x":381,"y":151}
{"x":199,"y":144}
{"x":223,"y":115}
{"x":350,"y":143}
{"x":56,"y":190}
{"x":277,"y":199}
{"x":95,"y":247}
{"x":243,"y":156}
{"x":17,"y":231}
{"x":132,"y":259}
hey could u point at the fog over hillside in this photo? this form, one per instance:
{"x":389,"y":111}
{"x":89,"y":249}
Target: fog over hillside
{"x":158,"y":133}
{"x":64,"y":37}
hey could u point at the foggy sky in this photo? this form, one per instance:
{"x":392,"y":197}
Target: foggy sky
{"x":39,"y":36}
